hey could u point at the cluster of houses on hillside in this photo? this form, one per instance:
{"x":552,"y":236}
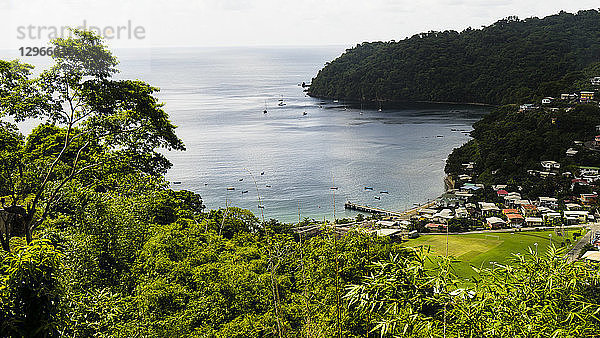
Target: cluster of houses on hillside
{"x":512,"y":212}
{"x":584,"y":96}
{"x":509,"y":209}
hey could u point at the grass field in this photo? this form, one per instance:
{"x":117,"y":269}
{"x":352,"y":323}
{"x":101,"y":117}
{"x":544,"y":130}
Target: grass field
{"x":480,"y":249}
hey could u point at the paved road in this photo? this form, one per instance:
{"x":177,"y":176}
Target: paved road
{"x":573,"y":254}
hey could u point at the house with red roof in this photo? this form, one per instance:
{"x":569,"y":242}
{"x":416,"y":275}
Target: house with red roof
{"x":529,"y":210}
{"x":515,"y":220}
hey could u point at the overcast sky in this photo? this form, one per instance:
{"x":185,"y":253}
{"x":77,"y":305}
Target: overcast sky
{"x":260,"y":22}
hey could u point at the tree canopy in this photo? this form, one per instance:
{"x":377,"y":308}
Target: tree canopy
{"x":509,"y":61}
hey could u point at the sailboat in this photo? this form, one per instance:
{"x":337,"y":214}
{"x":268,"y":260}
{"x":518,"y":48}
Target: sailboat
{"x":281,"y":103}
{"x":265,"y":111}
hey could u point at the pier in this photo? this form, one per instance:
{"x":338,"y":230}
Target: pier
{"x":373,"y":210}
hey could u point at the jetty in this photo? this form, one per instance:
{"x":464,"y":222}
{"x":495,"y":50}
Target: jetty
{"x":379,"y":211}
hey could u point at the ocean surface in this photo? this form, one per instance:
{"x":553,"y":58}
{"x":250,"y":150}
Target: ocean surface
{"x":216,"y":97}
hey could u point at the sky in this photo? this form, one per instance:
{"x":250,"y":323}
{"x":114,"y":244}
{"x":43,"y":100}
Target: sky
{"x":176,"y":23}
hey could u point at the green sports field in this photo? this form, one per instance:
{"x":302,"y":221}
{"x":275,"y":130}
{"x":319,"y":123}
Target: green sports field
{"x":480,"y":249}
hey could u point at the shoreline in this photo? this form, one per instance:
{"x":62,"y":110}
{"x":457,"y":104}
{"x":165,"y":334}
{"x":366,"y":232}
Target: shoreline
{"x":398,"y":102}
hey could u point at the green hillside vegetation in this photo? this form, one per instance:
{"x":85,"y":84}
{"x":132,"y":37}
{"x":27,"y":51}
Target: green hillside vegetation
{"x":509,"y":61}
{"x":94,"y":243}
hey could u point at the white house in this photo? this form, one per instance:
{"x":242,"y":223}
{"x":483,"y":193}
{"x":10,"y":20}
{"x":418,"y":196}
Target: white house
{"x":443,"y":216}
{"x":488,"y":209}
{"x":495,"y":222}
{"x":549,"y":165}
{"x":547,"y":100}
{"x":527,"y":106}
{"x":575,"y":216}
{"x":571,"y":152}
{"x":549,"y":202}
{"x":588,"y":171}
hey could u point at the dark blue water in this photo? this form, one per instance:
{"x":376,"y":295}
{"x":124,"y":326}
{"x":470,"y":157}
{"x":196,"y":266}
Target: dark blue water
{"x":217,"y":98}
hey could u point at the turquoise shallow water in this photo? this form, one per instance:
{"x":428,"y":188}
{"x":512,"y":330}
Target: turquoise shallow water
{"x":217,"y":97}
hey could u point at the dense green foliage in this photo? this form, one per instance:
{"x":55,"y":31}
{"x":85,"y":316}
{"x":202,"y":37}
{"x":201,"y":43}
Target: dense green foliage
{"x":535,"y":296}
{"x":511,"y":60}
{"x":90,"y":121}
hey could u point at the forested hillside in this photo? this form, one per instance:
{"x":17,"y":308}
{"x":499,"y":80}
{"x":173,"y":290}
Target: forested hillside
{"x":509,"y":61}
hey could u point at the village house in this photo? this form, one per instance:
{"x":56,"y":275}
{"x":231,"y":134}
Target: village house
{"x":519,"y":203}
{"x":470,"y":187}
{"x":515,"y":220}
{"x":588,"y":171}
{"x":534,"y":221}
{"x":427,"y":213}
{"x":509,"y":211}
{"x":442,"y":216}
{"x":468,"y":166}
{"x":547,"y":100}
{"x":575,"y":216}
{"x":394,"y":234}
{"x":511,"y":198}
{"x":465,"y":177}
{"x":495,"y":223}
{"x":463,"y":195}
{"x":502,"y":193}
{"x":540,"y":173}
{"x":587,"y":199}
{"x":527,"y":106}
{"x":549,"y":202}
{"x":387,"y":224}
{"x":573,"y":206}
{"x":578,"y":181}
{"x":550,"y":165}
{"x":571,"y":152}
{"x":529,"y":210}
{"x":434,"y":227}
{"x":569,"y":97}
{"x":450,"y":200}
{"x":544,"y":210}
{"x":488,"y":209}
{"x":586,"y":96}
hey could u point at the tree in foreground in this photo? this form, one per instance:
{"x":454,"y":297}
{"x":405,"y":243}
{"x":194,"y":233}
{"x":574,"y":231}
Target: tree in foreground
{"x":534,"y":296}
{"x":90,"y":122}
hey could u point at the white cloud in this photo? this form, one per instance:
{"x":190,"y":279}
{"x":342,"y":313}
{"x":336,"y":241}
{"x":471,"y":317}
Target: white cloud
{"x":268,"y":22}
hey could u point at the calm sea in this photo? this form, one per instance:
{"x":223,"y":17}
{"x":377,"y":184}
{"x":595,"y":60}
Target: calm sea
{"x":216,"y":97}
